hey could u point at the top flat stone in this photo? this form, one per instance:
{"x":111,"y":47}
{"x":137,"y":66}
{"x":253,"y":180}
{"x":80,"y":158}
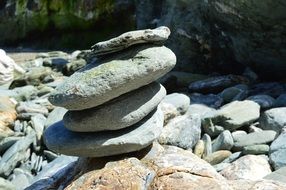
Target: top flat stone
{"x":158,"y":36}
{"x":117,"y":75}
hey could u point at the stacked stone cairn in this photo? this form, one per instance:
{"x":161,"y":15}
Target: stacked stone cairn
{"x":113,"y":102}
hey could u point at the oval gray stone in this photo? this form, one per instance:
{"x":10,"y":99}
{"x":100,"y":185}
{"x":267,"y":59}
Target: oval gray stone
{"x":117,"y":75}
{"x":107,"y":143}
{"x":125,"y":111}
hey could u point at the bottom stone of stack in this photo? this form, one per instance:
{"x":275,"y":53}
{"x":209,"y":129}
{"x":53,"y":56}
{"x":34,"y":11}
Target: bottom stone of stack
{"x":106,"y":143}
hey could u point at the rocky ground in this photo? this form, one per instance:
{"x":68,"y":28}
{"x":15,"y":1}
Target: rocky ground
{"x":234,"y":123}
{"x":220,"y":132}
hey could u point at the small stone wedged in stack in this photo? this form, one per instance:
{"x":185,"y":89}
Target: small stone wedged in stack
{"x":113,"y":104}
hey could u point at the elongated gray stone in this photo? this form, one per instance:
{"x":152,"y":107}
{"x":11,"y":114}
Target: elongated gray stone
{"x":158,"y":35}
{"x":125,"y":111}
{"x":256,"y":149}
{"x":117,"y":75}
{"x":107,"y":143}
{"x":261,"y":137}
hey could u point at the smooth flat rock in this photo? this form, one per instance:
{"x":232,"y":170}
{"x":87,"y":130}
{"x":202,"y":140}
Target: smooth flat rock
{"x":265,"y":101}
{"x":237,"y":134}
{"x":279,"y":142}
{"x":182,"y":131}
{"x":99,"y":144}
{"x":237,"y":92}
{"x":256,"y":149}
{"x":273,"y":119}
{"x":158,"y":35}
{"x":117,"y":75}
{"x":223,"y":142}
{"x":55,"y":116}
{"x":281,"y":101}
{"x":278,"y":175}
{"x":216,"y":84}
{"x":199,"y":109}
{"x":125,"y":111}
{"x":211,"y":100}
{"x":260,"y":137}
{"x":180,"y":101}
{"x":273,"y":89}
{"x":278,"y":159}
{"x":234,"y":115}
{"x":250,"y":167}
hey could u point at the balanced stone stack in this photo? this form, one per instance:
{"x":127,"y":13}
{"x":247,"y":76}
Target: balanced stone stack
{"x":113,"y":102}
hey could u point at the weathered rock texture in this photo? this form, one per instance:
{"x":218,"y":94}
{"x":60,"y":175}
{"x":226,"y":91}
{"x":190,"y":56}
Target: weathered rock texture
{"x":228,"y":33}
{"x":93,"y":86}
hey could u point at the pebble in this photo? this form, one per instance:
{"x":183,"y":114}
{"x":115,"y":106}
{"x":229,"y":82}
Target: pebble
{"x":250,"y":167}
{"x":278,"y":158}
{"x":216,"y":84}
{"x":15,"y":154}
{"x":281,"y":101}
{"x":278,"y":151}
{"x":265,"y":101}
{"x":278,"y":175}
{"x":38,"y":124}
{"x":256,"y":149}
{"x":7,"y":143}
{"x":273,"y":89}
{"x":261,"y":137}
{"x":237,"y":134}
{"x":179,"y":101}
{"x":223,"y":142}
{"x":217,"y":157}
{"x":182,"y":131}
{"x":55,"y":116}
{"x":234,"y":156}
{"x":199,"y":148}
{"x":273,"y":119}
{"x":201,"y":110}
{"x":31,"y":107}
{"x":208,"y":145}
{"x":234,"y":93}
{"x":211,"y":100}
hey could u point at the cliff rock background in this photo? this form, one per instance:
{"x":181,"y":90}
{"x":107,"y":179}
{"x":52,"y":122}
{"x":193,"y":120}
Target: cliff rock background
{"x":211,"y":35}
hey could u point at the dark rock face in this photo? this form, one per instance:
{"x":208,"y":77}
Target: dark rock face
{"x":59,"y":22}
{"x":222,"y":34}
{"x":209,"y":35}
